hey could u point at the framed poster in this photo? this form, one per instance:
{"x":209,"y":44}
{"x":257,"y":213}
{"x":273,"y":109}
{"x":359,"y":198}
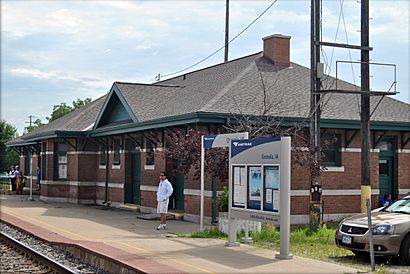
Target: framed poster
{"x":254,"y":187}
{"x":271,"y":181}
{"x":239,"y":186}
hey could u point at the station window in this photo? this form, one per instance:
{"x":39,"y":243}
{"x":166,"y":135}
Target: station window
{"x":103,"y":155}
{"x":27,"y":163}
{"x":117,"y":154}
{"x":331,"y":150}
{"x":60,"y":169}
{"x":150,"y":154}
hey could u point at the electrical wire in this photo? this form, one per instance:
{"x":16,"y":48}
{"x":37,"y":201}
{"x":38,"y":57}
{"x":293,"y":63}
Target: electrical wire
{"x":219,"y":49}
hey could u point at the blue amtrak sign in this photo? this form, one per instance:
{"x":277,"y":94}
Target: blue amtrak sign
{"x":222,"y":140}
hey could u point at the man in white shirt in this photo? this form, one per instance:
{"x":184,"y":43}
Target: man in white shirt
{"x":164,"y":192}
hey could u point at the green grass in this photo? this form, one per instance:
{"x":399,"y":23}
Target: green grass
{"x":318,"y":244}
{"x":304,"y":241}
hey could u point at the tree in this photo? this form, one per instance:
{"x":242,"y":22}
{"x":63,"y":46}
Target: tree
{"x":80,"y":103}
{"x":63,"y":109}
{"x":37,"y":123}
{"x":59,"y":111}
{"x":8,"y":156}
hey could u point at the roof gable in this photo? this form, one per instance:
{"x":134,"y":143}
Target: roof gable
{"x":115,"y":110}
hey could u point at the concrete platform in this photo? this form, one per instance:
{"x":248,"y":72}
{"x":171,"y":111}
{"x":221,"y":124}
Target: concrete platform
{"x":119,"y":236}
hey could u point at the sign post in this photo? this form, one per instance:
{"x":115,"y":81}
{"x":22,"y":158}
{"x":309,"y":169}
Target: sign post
{"x":211,"y":141}
{"x":259,"y":186}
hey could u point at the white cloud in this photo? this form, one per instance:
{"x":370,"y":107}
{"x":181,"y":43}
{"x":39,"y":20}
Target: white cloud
{"x":91,"y":81}
{"x":65,"y":20}
{"x":35,"y":73}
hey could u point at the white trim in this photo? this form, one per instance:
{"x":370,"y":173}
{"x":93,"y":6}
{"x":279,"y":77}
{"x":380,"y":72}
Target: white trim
{"x":83,"y":152}
{"x":110,"y":185}
{"x":101,"y":167}
{"x":405,"y":150}
{"x":404,"y":190}
{"x":197,"y":192}
{"x":358,"y":149}
{"x":148,"y":188}
{"x":300,"y":192}
{"x":346,"y":192}
{"x":334,"y":169}
{"x":77,"y":183}
{"x":49,"y":152}
{"x":149,"y":167}
{"x":116,"y":167}
{"x":350,"y":149}
{"x":71,"y":183}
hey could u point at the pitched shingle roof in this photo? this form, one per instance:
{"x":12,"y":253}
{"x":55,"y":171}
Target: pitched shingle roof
{"x":243,"y":86}
{"x":78,"y":120}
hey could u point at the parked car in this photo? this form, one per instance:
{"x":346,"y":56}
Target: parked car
{"x":391,"y":231}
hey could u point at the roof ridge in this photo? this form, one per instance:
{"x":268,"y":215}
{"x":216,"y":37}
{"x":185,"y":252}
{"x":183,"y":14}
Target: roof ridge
{"x":145,"y":84}
{"x":224,"y":90}
{"x":219,"y":64}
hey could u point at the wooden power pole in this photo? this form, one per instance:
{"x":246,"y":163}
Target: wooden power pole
{"x":365,"y":106}
{"x":315,"y":184}
{"x":226,"y":31}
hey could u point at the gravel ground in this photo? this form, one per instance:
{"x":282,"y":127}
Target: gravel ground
{"x":54,"y":253}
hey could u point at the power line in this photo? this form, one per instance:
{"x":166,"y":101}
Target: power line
{"x":219,"y":49}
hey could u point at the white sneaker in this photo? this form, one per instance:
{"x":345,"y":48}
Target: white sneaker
{"x":161,"y":226}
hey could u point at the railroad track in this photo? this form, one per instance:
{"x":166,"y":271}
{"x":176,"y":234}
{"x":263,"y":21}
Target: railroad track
{"x":24,"y":259}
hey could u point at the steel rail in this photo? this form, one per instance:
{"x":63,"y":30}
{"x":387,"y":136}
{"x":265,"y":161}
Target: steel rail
{"x":56,"y":266}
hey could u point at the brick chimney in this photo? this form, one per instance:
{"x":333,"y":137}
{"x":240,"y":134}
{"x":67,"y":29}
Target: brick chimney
{"x":277,"y":49}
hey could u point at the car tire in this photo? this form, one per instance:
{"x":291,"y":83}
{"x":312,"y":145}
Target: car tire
{"x":405,"y":251}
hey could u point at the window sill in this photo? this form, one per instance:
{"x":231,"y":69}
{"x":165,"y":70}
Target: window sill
{"x":115,"y":167}
{"x":149,"y":167}
{"x":101,"y":167}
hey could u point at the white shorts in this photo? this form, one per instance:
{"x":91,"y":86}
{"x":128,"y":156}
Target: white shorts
{"x":162,"y":206}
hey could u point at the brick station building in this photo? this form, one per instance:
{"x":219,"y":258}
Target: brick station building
{"x":111,"y":150}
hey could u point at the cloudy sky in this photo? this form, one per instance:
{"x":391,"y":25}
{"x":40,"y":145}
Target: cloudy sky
{"x":58,"y":51}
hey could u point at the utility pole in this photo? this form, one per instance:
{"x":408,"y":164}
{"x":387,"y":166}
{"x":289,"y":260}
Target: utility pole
{"x":30,"y":122}
{"x":365,"y":106}
{"x":226,"y":31}
{"x":315,"y":201}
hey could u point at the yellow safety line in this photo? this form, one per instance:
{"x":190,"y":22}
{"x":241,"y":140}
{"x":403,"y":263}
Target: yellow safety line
{"x":164,"y":257}
{"x":46,"y":224}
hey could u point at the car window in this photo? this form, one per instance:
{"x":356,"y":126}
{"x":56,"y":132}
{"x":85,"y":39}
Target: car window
{"x":399,"y":206}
